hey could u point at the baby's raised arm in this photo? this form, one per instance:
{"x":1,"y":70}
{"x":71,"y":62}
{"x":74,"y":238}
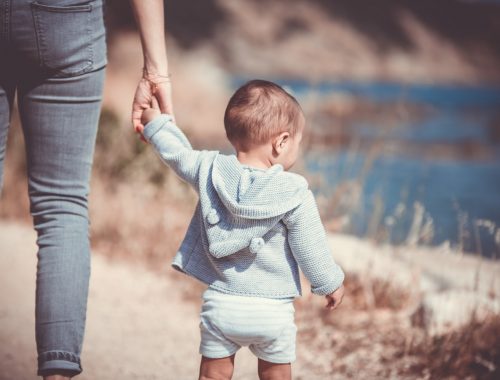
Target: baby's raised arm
{"x":172,"y":145}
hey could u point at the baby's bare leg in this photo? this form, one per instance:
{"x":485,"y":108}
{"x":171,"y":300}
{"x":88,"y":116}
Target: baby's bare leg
{"x":216,"y":369}
{"x":274,"y":371}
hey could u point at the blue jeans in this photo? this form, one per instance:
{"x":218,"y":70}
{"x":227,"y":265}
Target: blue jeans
{"x":53,"y":54}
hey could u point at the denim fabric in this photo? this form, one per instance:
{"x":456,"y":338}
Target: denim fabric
{"x":53,"y":53}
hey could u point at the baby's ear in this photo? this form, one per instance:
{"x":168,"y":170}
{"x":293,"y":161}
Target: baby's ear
{"x":280,"y":141}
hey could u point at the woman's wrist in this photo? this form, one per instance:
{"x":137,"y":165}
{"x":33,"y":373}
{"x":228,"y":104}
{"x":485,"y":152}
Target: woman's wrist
{"x":153,"y":67}
{"x":155,"y":79}
{"x":154,"y":75}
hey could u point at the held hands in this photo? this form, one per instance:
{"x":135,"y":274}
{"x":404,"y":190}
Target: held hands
{"x":151,"y":87}
{"x":150,"y":113}
{"x":335,"y":299}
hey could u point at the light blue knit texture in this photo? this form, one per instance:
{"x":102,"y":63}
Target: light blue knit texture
{"x":252,"y":228}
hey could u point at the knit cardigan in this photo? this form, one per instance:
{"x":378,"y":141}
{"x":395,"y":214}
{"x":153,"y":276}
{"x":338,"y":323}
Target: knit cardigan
{"x":252,"y":228}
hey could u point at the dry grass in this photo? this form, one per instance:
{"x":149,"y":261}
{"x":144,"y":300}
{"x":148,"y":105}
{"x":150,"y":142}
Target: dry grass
{"x":358,"y":340}
{"x":143,"y":224}
{"x":473,"y":352}
{"x":362,"y":341}
{"x":367,"y":293}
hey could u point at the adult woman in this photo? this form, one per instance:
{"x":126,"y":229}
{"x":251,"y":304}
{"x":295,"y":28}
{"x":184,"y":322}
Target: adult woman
{"x":53,"y":54}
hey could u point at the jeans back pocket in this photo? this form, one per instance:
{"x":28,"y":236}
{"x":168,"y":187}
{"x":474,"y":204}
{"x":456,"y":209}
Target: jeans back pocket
{"x":67,"y":36}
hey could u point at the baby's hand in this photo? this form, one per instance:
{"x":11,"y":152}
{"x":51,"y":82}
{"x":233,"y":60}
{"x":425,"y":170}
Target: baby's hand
{"x":149,"y":114}
{"x":335,"y":299}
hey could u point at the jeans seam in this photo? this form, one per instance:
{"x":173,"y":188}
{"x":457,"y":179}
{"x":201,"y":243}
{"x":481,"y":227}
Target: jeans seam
{"x":38,"y":37}
{"x":66,"y":9}
{"x":89,"y":35}
{"x":5,"y":32}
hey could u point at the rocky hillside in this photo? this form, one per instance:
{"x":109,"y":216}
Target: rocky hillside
{"x":410,"y":41}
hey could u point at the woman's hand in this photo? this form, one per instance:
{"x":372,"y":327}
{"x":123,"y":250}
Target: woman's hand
{"x":148,"y":89}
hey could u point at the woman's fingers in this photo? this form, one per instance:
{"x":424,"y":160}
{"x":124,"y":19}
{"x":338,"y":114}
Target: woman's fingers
{"x":163,"y":95}
{"x":154,"y":103}
{"x":142,"y":100}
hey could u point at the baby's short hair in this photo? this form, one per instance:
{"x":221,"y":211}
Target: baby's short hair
{"x":258,"y":111}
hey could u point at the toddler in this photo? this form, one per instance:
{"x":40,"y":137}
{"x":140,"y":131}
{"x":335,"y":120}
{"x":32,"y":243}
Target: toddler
{"x":254,"y":226}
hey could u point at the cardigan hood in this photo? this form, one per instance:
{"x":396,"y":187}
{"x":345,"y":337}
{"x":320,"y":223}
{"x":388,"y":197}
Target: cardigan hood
{"x":239,"y":197}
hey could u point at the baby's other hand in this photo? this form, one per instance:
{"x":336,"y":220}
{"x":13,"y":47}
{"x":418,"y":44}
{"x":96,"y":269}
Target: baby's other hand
{"x":335,"y":299}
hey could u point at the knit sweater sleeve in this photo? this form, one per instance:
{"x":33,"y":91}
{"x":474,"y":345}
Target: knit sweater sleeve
{"x":174,"y":148}
{"x":309,"y":246}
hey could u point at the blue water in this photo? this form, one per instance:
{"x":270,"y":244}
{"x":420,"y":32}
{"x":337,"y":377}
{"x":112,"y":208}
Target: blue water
{"x":448,"y":191}
{"x":451,"y":95}
{"x":455,"y":192}
{"x":445,"y":126}
{"x":439,"y":95}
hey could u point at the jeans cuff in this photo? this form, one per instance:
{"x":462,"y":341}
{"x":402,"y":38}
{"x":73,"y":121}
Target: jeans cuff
{"x":58,"y":363}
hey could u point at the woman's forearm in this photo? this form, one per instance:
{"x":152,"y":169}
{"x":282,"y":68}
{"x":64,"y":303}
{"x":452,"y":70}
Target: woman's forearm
{"x":155,"y":82}
{"x":149,"y":15}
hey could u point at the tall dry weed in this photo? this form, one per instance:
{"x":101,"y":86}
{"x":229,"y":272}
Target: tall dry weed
{"x":473,"y":352}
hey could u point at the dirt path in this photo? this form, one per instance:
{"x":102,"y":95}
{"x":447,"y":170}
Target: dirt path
{"x":138,"y":327}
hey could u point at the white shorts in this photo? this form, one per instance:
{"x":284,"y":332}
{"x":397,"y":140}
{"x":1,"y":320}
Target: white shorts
{"x":265,"y":325}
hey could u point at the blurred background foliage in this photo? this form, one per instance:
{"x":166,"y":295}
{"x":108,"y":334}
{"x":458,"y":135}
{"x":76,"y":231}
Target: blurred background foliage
{"x":401,"y":99}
